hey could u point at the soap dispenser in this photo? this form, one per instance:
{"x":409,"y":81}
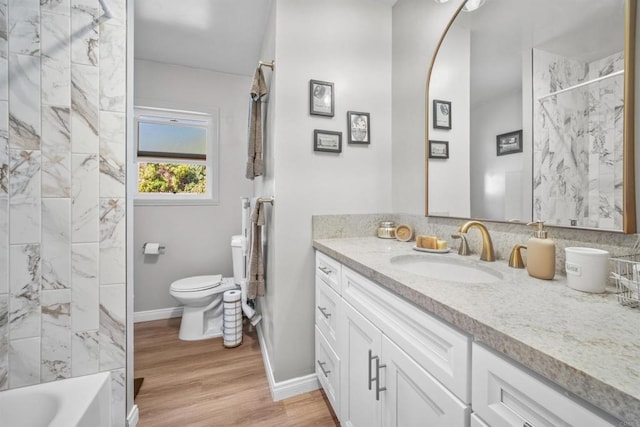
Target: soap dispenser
{"x":541,"y":253}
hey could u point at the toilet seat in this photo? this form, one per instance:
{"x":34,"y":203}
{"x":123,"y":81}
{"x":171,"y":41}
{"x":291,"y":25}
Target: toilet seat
{"x":196,"y":283}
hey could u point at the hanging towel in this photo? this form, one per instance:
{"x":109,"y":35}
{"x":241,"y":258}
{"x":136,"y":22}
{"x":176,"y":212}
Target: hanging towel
{"x":255,"y":286}
{"x":255,"y":166}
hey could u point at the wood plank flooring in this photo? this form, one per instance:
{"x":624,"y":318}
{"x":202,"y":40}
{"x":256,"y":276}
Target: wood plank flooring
{"x":203,"y":384}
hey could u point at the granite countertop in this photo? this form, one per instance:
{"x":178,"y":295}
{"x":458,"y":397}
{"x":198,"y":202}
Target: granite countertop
{"x":586,"y":343}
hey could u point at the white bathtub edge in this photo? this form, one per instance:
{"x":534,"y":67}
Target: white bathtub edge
{"x":133,"y":417}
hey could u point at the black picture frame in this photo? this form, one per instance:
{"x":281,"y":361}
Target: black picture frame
{"x":321,"y":98}
{"x":441,"y":114}
{"x":327,"y":141}
{"x":358,"y":128}
{"x":509,"y":143}
{"x":438,"y":149}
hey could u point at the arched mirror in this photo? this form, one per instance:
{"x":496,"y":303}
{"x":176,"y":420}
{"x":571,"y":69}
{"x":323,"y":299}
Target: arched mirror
{"x":530,"y":114}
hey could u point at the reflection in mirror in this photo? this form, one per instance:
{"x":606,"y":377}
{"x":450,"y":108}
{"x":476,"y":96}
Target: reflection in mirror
{"x":537,"y":92}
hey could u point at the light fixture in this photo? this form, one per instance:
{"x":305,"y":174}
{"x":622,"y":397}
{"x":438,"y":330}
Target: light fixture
{"x":440,"y":1}
{"x":472,"y":5}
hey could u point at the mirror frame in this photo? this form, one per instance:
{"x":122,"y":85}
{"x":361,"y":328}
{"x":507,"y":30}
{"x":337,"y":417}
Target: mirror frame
{"x":628,"y":165}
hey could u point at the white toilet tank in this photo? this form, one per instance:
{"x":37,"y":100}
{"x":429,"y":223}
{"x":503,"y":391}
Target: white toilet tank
{"x":237,"y":254}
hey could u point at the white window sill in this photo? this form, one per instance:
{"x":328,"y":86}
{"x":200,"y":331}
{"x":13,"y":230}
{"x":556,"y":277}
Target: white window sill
{"x":175,"y":201}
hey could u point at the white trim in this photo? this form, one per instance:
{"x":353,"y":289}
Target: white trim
{"x":289,"y":388}
{"x":133,"y":417}
{"x":161,"y":313}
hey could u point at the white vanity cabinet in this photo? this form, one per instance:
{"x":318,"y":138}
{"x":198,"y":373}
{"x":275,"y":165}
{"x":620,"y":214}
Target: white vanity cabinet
{"x":385,"y":362}
{"x":389,"y":355}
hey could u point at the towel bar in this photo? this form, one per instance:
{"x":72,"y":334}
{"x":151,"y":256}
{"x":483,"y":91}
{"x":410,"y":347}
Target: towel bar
{"x":266,"y":200}
{"x":267,"y":64}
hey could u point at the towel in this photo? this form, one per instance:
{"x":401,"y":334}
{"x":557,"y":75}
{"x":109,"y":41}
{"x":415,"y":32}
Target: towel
{"x":255,"y":284}
{"x":255,"y":166}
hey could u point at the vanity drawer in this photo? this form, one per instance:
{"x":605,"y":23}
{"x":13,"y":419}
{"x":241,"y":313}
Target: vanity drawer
{"x":477,"y":421}
{"x":328,"y":269}
{"x":504,"y":394}
{"x":327,"y":306}
{"x":328,"y":371}
{"x":438,"y":348}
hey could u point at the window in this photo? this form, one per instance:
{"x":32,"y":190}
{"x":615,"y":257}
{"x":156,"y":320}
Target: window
{"x":175,"y":155}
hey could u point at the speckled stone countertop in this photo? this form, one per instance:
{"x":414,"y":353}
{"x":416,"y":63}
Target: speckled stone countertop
{"x":586,"y":343}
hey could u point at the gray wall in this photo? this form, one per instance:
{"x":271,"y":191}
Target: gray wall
{"x":197,"y":238}
{"x":62,"y":199}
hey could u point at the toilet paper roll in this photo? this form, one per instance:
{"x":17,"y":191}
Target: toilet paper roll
{"x":151,"y":248}
{"x":232,"y":296}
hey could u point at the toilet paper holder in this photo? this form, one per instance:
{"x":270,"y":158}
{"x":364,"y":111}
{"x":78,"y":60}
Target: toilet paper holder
{"x":144,"y":247}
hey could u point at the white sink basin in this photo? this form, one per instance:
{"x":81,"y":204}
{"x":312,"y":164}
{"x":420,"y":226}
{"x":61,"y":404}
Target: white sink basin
{"x":446,"y":268}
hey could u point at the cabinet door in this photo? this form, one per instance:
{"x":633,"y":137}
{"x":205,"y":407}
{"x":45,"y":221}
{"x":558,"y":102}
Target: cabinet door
{"x":413,"y":397}
{"x":360,"y":345}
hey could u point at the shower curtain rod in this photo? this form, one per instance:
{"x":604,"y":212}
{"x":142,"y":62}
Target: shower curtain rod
{"x":597,"y":79}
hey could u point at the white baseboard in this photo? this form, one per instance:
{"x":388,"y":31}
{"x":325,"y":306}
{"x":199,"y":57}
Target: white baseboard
{"x":289,"y":388}
{"x":134,"y":417}
{"x":162,"y":313}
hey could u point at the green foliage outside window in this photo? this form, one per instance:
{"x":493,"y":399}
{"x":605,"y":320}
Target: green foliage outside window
{"x":171,"y":178}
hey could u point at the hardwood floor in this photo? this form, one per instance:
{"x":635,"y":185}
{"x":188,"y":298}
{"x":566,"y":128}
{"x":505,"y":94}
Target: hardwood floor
{"x":203,"y":384}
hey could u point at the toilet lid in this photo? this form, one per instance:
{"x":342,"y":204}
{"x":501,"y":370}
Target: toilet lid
{"x":197,"y":283}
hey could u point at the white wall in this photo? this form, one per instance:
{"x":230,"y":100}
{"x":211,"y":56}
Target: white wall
{"x":417,"y":27}
{"x":492,"y":175}
{"x":449,"y":188}
{"x":349,"y":44}
{"x":265,"y":185}
{"x":197,"y":238}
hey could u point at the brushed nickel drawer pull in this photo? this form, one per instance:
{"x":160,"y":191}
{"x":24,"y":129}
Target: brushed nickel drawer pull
{"x":378,"y":388}
{"x":323,"y":310}
{"x":325,"y":270}
{"x":371,"y":358}
{"x":325,"y":372}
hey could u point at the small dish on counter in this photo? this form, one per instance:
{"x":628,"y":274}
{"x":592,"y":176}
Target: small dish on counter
{"x":404,"y":232}
{"x":433,"y":251}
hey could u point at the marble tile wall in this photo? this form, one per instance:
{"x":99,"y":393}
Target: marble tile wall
{"x":578,"y":142}
{"x":62,"y":193}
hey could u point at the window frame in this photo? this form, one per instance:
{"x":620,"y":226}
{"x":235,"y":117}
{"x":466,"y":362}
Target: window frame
{"x":211,"y":196}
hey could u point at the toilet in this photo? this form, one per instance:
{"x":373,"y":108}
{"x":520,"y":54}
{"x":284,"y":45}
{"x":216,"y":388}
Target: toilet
{"x":201,"y":297}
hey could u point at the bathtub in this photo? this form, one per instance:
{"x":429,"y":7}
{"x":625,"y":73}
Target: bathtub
{"x":76,"y":402}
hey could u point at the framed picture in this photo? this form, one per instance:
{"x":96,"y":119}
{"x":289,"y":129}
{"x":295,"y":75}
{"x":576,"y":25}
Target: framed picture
{"x":359,"y":129}
{"x":441,"y":114}
{"x":509,"y":143}
{"x":321,"y":98}
{"x":326,"y":140}
{"x":438,"y":149}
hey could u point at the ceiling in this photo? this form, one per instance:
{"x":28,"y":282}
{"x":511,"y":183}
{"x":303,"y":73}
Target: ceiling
{"x":219,"y":35}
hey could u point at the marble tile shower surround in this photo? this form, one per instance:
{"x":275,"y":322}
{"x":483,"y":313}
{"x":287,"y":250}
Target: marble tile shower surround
{"x":62,"y":193}
{"x":578,"y":140}
{"x":503,"y":235}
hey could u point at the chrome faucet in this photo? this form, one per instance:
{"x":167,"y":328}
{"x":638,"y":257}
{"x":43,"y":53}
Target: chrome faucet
{"x":487,"y":245}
